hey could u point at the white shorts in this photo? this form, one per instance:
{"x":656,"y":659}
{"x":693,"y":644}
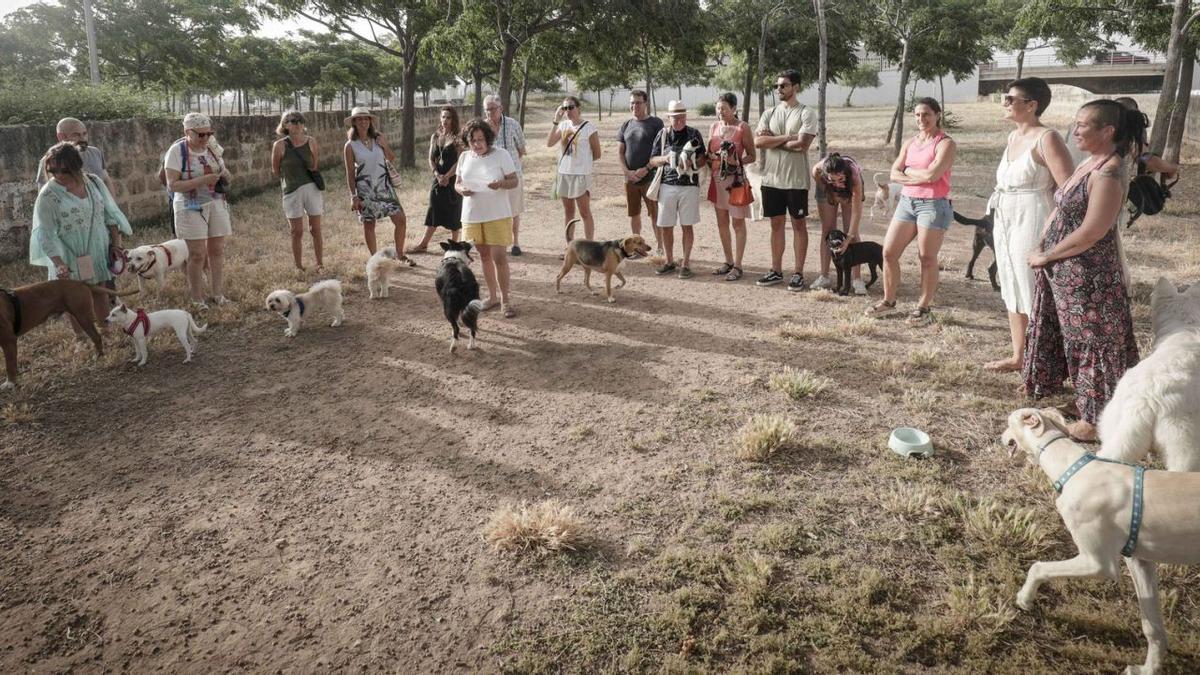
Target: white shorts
{"x":516,"y":197}
{"x":304,"y":199}
{"x":573,"y":186}
{"x":678,"y":205}
{"x":212,"y":220}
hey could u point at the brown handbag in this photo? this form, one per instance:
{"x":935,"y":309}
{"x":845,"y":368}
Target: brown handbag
{"x":740,"y":193}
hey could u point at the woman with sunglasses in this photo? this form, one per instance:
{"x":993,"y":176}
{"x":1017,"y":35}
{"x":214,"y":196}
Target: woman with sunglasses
{"x":294,"y":160}
{"x":199,"y":180}
{"x":580,"y":150}
{"x":1035,"y":160}
{"x":76,"y":223}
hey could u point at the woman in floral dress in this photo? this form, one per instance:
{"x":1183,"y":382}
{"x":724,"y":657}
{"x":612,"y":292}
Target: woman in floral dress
{"x":1081,"y":326}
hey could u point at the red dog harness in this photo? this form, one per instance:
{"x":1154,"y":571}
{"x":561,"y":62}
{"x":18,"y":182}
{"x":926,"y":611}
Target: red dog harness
{"x":142,"y":319}
{"x":154,"y":259}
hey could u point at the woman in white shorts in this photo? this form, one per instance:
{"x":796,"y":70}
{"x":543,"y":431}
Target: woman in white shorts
{"x":295,"y":160}
{"x":580,"y":149}
{"x":200,"y":182}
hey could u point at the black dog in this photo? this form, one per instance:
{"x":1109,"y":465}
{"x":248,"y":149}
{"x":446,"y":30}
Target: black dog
{"x":846,"y":259}
{"x":457,"y":288}
{"x":983,"y":237}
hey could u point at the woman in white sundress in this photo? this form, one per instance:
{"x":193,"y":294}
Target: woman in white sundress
{"x":1035,"y":160}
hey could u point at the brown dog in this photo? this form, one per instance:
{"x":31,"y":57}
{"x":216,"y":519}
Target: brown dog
{"x":602,"y":256}
{"x":25,"y":308}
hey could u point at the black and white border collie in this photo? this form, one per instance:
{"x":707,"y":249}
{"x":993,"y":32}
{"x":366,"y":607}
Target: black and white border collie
{"x":458,"y":289}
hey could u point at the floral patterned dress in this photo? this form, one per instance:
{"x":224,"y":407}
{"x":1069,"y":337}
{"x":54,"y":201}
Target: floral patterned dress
{"x":68,"y":226}
{"x":1081,"y":326}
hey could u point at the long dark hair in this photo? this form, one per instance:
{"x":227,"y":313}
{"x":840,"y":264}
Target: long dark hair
{"x":845,"y":165}
{"x":1129,"y":126}
{"x":454,"y":130}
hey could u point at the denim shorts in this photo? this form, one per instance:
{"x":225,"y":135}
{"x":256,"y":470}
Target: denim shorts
{"x":935,"y":214}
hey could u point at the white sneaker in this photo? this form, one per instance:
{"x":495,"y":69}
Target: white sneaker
{"x":821,"y":282}
{"x":859,"y":286}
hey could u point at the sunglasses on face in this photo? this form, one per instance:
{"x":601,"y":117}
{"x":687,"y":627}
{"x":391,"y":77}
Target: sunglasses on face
{"x":568,"y":107}
{"x":295,"y":121}
{"x":1009,"y":99}
{"x":203,"y":134}
{"x":782,"y":85}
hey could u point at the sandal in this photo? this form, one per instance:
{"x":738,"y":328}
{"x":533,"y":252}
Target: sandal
{"x":919,"y":315}
{"x":882,"y":308}
{"x":408,"y":261}
{"x":490,"y":305}
{"x":735,"y":273}
{"x":723,"y":269}
{"x":509,"y":311}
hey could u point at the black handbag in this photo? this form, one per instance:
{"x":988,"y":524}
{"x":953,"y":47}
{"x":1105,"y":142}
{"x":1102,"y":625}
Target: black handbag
{"x":1148,"y":196}
{"x":316,"y":176}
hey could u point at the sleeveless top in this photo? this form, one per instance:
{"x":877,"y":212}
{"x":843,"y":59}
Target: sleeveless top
{"x":733,"y":132}
{"x":1024,"y":175}
{"x":921,"y":157}
{"x":369,"y":162}
{"x":293,"y":171}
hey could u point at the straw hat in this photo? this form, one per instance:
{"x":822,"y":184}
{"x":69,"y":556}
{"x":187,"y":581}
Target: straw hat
{"x":676,"y":108}
{"x":360,"y":111}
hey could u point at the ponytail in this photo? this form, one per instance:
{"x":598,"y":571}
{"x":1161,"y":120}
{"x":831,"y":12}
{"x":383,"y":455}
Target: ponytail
{"x":1129,"y":126}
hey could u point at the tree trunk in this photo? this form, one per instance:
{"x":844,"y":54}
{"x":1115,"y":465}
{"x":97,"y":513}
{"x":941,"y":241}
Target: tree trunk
{"x":1166,"y":100}
{"x":749,"y":86}
{"x":599,"y":106}
{"x":1183,"y":98}
{"x":524,"y":89}
{"x":1020,"y":63}
{"x":507,"y":56}
{"x":649,"y":80}
{"x":848,"y":97}
{"x":942,"y":94}
{"x":898,"y":138}
{"x":478,"y":109}
{"x":762,"y":61}
{"x":822,"y":75}
{"x":408,"y":153}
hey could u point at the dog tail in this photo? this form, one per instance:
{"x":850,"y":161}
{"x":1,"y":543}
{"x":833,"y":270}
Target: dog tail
{"x":960,"y":218}
{"x":472,"y":311}
{"x":333,"y":284}
{"x":571,"y":228}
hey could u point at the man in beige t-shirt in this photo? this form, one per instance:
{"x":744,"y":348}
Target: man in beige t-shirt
{"x":784,"y":134}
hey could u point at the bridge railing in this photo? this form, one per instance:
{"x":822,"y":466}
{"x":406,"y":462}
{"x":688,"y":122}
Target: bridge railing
{"x":1109,"y":58}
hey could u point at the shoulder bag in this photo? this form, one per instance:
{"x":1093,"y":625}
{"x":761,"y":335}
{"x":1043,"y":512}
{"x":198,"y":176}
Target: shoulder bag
{"x":316,"y":176}
{"x":656,"y":182}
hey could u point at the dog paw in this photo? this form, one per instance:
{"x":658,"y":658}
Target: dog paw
{"x":336,"y":323}
{"x":611,"y":299}
{"x":288,"y":332}
{"x":1024,"y":603}
{"x":471,"y":344}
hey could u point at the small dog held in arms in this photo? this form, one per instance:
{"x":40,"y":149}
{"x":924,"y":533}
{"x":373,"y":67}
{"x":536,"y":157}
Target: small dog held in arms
{"x":323,"y":296}
{"x":1156,"y":405}
{"x":155,"y":260}
{"x":983,"y":238}
{"x":1113,"y":510}
{"x":848,"y":256}
{"x":139,"y":325}
{"x":458,"y":290}
{"x":604,"y":257}
{"x":887,"y":195}
{"x":380,"y":268}
{"x":686,"y":162}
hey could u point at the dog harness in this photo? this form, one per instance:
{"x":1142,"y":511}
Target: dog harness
{"x":155,"y":259}
{"x":142,"y":319}
{"x":1139,"y":475}
{"x":12,"y":298}
{"x":300,"y":303}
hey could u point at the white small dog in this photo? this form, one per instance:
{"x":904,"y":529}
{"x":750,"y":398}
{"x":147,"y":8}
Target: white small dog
{"x":1156,"y":405}
{"x":887,"y":195}
{"x":379,"y":271}
{"x":685,"y":162}
{"x":325,"y":296}
{"x":139,"y":325}
{"x":153,"y":261}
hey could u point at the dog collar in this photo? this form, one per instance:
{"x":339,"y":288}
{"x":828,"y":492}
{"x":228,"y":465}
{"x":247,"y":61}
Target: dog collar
{"x":620,"y":249}
{"x":142,"y":319}
{"x":1043,"y":446}
{"x":300,"y":304}
{"x":16,"y":304}
{"x":167,"y":251}
{"x":1139,"y":489}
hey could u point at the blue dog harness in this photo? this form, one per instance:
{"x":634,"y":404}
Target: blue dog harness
{"x":300,"y":303}
{"x":1139,"y":476}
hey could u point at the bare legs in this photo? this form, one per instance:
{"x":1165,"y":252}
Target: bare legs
{"x":799,"y":243}
{"x":734,"y":249}
{"x":494,"y":260}
{"x":584,"y":202}
{"x":314,"y":227}
{"x":204,"y":253}
{"x":1017,"y":323}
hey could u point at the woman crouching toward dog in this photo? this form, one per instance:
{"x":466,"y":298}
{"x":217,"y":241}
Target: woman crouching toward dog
{"x":1081,"y":325}
{"x":839,"y":183}
{"x":484,"y":175}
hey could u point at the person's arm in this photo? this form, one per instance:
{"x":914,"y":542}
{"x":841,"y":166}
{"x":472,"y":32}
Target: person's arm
{"x":555,"y":135}
{"x":800,"y":144}
{"x":176,"y":183}
{"x":621,"y":160}
{"x":748,"y":154}
{"x":116,"y":221}
{"x":594,"y":141}
{"x":943,"y":159}
{"x":458,"y":184}
{"x":277,"y":151}
{"x":856,"y":208}
{"x":764,"y":139}
{"x":897,"y":173}
{"x":509,"y":182}
{"x":1156,"y":164}
{"x":1105,"y":194}
{"x":316,"y":153}
{"x":519,"y":139}
{"x":348,"y":161}
{"x":1053,"y":154}
{"x":657,"y":150}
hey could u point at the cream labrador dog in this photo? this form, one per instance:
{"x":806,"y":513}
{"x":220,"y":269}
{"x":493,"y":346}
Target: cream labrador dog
{"x":1110,"y":514}
{"x":1156,"y":405}
{"x":153,"y":261}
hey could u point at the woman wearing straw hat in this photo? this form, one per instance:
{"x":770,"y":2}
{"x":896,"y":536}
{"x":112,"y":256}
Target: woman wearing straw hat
{"x":372,"y":192}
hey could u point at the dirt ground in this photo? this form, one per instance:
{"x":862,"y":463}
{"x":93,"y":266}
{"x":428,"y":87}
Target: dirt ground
{"x":318,"y":503}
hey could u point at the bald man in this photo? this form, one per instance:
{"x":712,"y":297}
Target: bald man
{"x":72,"y":130}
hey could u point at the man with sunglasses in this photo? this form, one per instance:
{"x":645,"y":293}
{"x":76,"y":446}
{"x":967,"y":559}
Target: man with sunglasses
{"x":784,"y":134}
{"x":73,"y":131}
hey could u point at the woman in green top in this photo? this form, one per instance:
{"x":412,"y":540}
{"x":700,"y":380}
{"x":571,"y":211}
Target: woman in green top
{"x":294,"y":158}
{"x":76,"y":223}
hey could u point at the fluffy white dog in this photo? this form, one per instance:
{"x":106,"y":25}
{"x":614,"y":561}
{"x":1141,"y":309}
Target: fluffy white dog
{"x":324,"y":296}
{"x":379,"y":271}
{"x":139,"y":325}
{"x":153,"y":261}
{"x":1156,"y":405}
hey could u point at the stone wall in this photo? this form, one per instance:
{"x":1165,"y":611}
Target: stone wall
{"x":134,"y":149}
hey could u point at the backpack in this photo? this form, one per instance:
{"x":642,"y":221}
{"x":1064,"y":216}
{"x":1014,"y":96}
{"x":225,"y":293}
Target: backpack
{"x":162,"y":170}
{"x":1148,"y":196}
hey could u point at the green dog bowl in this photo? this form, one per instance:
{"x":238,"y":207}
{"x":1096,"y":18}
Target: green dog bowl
{"x":909,"y":442}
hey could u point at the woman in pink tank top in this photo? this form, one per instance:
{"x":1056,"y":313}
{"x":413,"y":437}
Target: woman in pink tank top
{"x":726,"y":162}
{"x":923,"y":213}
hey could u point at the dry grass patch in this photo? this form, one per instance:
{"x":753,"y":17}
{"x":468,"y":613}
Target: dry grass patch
{"x":546,"y":526}
{"x":14,"y":414}
{"x":797,"y":384}
{"x":763,"y":436}
{"x":978,"y":607}
{"x":1005,"y":530}
{"x":911,"y":502}
{"x":857,"y":326}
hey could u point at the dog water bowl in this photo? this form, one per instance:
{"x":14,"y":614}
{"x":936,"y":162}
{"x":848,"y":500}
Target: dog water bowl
{"x":909,"y":442}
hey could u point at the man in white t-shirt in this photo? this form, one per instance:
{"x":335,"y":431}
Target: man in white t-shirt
{"x":72,"y":130}
{"x":784,"y":134}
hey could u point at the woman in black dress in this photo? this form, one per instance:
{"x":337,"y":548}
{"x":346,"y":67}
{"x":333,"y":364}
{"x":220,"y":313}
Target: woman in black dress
{"x":445,"y":205}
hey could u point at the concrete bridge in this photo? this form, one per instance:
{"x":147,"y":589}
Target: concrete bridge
{"x":1123,"y":73}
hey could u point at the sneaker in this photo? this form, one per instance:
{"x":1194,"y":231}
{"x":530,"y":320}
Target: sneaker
{"x":859,"y":286}
{"x":685,"y":273}
{"x":822,"y":282}
{"x":516,"y":250}
{"x":666,"y":268}
{"x":769,"y":279}
{"x":796,"y":283}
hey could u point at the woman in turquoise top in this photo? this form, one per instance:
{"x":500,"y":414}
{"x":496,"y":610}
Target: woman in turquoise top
{"x":75,"y":221}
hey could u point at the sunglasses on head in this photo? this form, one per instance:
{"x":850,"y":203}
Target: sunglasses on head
{"x":1009,"y":99}
{"x":568,"y":107}
{"x":204,"y":134}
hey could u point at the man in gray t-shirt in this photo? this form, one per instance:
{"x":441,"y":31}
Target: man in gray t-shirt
{"x":633,"y":143}
{"x":72,"y":130}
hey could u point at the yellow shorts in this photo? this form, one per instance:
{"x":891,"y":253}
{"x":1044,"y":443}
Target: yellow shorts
{"x":490,"y":233}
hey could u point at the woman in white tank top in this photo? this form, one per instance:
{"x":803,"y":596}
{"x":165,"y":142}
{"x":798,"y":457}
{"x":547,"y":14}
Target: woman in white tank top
{"x":1035,"y":160}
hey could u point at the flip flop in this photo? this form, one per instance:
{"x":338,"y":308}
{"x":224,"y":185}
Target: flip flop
{"x":490,"y":305}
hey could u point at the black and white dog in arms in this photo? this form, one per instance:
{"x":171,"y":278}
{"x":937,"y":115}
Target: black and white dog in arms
{"x":458,"y":289}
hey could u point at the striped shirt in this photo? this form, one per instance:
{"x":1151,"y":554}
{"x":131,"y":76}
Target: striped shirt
{"x":511,"y":138}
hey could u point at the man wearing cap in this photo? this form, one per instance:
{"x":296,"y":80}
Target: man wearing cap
{"x":72,"y":130}
{"x":784,"y":134}
{"x":510,"y":137}
{"x":678,"y":148}
{"x":634,"y":140}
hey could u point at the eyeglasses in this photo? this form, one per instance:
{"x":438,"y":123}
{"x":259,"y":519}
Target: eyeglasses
{"x":204,"y":134}
{"x":492,"y":108}
{"x":1009,"y":98}
{"x":295,"y":120}
{"x":568,"y":107}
